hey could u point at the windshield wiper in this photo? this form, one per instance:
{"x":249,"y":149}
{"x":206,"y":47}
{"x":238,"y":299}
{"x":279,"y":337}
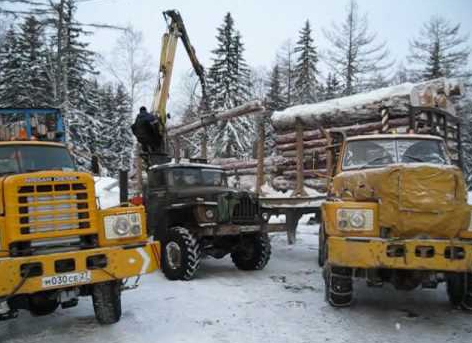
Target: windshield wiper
{"x":378,"y":158}
{"x":414,"y":158}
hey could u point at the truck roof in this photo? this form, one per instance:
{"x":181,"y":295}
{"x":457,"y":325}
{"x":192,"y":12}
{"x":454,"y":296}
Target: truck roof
{"x":186,"y":165}
{"x":41,"y":143}
{"x":393,"y":136}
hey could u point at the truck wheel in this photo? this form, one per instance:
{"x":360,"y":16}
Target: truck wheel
{"x":254,"y":253}
{"x":322,"y":246}
{"x":43,"y":303}
{"x":459,"y":290}
{"x":106,"y":298}
{"x":338,"y":286}
{"x":181,"y":254}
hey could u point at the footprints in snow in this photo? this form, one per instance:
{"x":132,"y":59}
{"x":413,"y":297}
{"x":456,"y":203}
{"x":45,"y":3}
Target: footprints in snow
{"x":294,"y":288}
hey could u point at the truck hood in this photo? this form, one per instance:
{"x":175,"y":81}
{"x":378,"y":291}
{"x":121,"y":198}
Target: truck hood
{"x":415,"y":200}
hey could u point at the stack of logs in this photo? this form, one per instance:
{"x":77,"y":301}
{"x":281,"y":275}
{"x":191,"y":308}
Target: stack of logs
{"x":363,"y":118}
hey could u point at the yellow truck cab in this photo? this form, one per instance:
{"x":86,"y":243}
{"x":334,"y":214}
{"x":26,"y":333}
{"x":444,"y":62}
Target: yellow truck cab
{"x":56,"y":244}
{"x":396,"y":212}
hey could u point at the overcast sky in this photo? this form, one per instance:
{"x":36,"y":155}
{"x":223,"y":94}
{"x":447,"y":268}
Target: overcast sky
{"x":266,"y":24}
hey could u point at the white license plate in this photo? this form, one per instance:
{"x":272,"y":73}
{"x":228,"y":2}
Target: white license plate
{"x":67,"y":279}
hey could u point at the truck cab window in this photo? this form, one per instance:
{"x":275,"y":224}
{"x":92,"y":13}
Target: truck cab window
{"x":8,"y":161}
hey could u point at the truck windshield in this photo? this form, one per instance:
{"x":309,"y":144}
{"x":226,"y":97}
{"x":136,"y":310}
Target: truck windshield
{"x":188,"y":177}
{"x":29,"y":158}
{"x":380,"y":152}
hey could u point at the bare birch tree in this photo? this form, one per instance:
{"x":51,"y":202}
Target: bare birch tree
{"x":355,"y":55}
{"x":132,"y":65}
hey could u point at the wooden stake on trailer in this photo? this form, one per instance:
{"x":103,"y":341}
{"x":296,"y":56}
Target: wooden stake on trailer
{"x":300,"y":188}
{"x":260,"y":156}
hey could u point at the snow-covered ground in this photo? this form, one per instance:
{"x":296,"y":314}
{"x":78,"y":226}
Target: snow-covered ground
{"x":282,"y":303}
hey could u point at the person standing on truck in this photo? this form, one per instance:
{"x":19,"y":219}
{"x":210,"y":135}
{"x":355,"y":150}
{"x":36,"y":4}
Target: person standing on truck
{"x":146,"y":130}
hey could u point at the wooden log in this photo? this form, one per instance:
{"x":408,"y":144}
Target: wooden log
{"x":311,"y":135}
{"x":312,"y":174}
{"x":253,"y":108}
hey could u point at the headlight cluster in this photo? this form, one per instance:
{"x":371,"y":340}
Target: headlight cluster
{"x":355,"y":219}
{"x":265,"y":216}
{"x":470,"y":223}
{"x":210,"y":214}
{"x":123,"y":225}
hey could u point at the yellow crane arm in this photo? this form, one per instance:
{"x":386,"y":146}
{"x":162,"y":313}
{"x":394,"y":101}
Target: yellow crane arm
{"x":175,"y":30}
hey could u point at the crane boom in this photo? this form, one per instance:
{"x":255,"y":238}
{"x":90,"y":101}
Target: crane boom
{"x":175,"y":30}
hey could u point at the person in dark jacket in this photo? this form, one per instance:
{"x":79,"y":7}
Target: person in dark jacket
{"x":146,"y":130}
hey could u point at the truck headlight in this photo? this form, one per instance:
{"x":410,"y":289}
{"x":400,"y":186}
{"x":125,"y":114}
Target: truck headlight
{"x":355,"y":219}
{"x":265,"y":216}
{"x":470,"y":223}
{"x":122,"y":225}
{"x":209,"y":214}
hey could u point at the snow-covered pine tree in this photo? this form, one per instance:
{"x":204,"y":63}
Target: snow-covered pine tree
{"x":274,"y":98}
{"x":11,"y":75}
{"x":333,"y":88}
{"x":123,"y":140}
{"x":104,"y":143}
{"x":70,"y":67}
{"x":306,"y":71}
{"x":286,"y":62}
{"x":354,"y":55}
{"x":36,"y":87}
{"x":228,"y":81}
{"x":440,"y":50}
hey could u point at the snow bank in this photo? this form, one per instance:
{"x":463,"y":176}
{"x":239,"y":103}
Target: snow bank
{"x":107,"y":191}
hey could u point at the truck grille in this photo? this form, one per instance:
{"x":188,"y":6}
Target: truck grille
{"x":53,"y":208}
{"x":246,"y":211}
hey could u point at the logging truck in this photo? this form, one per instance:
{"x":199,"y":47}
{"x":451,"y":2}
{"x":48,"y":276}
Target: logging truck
{"x":190,"y":208}
{"x":396,"y":206}
{"x":56,"y":244}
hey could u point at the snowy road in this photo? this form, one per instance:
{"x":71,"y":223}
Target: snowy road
{"x":283,"y":303}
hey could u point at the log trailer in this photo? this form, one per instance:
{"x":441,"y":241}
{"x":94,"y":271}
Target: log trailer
{"x":56,"y":244}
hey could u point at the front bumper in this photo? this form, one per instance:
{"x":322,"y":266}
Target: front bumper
{"x":416,"y":254}
{"x":121,"y":262}
{"x":214,"y":229}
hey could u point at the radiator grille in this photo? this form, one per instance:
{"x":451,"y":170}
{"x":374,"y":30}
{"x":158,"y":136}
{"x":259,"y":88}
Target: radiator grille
{"x":246,"y":211}
{"x":53,"y":207}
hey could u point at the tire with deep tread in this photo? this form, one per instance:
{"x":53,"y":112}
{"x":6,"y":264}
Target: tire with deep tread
{"x":106,"y":297}
{"x":459,"y":290}
{"x":338,"y":286}
{"x":322,"y":246}
{"x":190,"y":254}
{"x":254,"y":253}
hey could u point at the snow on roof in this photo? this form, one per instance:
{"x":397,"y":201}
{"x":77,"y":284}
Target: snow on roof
{"x":312,"y":113}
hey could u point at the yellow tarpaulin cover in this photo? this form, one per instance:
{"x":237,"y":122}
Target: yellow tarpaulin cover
{"x":415,"y":200}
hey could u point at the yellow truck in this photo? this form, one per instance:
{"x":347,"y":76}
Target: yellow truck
{"x":56,"y":244}
{"x":396,"y":212}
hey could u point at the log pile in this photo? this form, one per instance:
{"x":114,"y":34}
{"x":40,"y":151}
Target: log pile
{"x":358,"y":115}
